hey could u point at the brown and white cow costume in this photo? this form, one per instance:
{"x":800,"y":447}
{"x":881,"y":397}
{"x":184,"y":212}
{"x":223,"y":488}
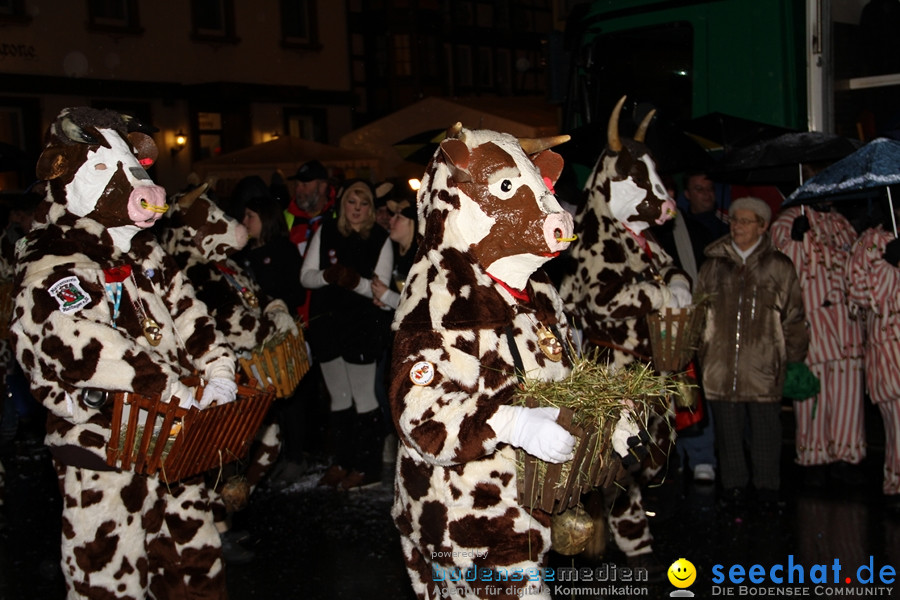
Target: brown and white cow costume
{"x":619,"y":274}
{"x":201,"y":238}
{"x":473,"y":315}
{"x":99,"y":306}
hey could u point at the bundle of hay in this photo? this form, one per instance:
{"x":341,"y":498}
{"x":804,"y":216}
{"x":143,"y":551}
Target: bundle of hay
{"x":590,"y":400}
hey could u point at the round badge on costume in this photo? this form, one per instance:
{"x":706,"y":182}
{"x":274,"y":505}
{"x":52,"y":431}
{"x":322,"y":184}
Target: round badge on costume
{"x":422,"y":373}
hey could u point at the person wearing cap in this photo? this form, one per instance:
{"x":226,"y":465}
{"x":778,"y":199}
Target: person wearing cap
{"x":312,"y":197}
{"x":755,"y":327}
{"x":348,"y":332}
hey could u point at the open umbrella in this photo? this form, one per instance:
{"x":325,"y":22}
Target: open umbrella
{"x":778,"y":160}
{"x":869,"y":170}
{"x":721,"y":130}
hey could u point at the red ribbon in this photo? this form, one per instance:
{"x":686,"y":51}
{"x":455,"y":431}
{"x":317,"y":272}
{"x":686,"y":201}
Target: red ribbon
{"x":520,"y":295}
{"x":117,"y":274}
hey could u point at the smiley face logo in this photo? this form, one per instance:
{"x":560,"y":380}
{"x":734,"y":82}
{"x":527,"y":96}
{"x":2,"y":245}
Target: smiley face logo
{"x":682,"y":573}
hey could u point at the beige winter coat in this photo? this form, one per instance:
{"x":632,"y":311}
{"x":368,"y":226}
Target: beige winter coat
{"x":755,"y":323}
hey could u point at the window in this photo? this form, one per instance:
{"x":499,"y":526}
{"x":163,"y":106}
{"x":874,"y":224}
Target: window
{"x":209,"y":129}
{"x":114,"y":16}
{"x":13,"y":10}
{"x":213,"y":20}
{"x":659,"y":67}
{"x":308,"y":124}
{"x":299,"y":28}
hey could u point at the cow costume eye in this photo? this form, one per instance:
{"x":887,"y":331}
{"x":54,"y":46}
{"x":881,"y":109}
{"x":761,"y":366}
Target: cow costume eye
{"x":503,"y":189}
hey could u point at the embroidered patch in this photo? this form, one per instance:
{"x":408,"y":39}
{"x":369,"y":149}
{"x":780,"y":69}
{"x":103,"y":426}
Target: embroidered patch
{"x":69,"y":295}
{"x":422,"y":373}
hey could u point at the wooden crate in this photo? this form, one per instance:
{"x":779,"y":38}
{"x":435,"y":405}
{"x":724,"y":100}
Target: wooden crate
{"x":282,"y":365}
{"x":182,"y":442}
{"x":556,"y":487}
{"x":674,"y":334}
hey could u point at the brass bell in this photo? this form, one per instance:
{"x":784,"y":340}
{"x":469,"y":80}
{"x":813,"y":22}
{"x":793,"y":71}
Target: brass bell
{"x":152,"y":331}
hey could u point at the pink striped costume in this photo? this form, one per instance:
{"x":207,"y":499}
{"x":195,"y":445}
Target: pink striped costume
{"x":874,"y":284}
{"x":830,"y":426}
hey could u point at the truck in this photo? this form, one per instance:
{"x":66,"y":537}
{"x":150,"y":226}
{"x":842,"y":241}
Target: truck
{"x":811,"y":65}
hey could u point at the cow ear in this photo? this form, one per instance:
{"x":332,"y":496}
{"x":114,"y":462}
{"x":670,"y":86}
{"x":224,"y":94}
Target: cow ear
{"x":145,"y":148}
{"x":52,"y":163}
{"x":456,"y":152}
{"x":549,"y":163}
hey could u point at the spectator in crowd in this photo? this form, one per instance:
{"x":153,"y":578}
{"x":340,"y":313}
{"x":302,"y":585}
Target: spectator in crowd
{"x":274,"y":263}
{"x":755,"y":327}
{"x":830,"y":434}
{"x":348,"y":333}
{"x":312,"y":201}
{"x":404,"y":241}
{"x":684,"y":238}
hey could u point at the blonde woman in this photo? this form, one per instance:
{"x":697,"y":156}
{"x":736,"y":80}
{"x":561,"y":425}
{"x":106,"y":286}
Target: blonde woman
{"x":347,"y":332}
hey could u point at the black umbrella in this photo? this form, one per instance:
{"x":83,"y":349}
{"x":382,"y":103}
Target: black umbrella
{"x":778,"y":160}
{"x":721,"y":130}
{"x":672,"y":150}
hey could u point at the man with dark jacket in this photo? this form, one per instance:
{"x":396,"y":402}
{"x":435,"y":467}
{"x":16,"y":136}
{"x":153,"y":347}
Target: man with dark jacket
{"x":755,"y":327}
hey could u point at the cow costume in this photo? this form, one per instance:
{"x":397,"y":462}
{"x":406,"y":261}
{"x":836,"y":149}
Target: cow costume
{"x":99,"y":307}
{"x":618,"y":274}
{"x":202,"y":238}
{"x":476,"y":312}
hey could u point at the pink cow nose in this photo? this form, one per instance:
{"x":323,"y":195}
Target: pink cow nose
{"x":558,"y":231}
{"x":146,"y":204}
{"x":667,"y":211}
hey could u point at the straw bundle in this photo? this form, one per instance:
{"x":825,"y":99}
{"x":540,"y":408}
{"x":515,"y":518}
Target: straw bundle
{"x":590,"y":400}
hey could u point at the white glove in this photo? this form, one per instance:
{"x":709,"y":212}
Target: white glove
{"x":219,"y":390}
{"x":680,"y":294}
{"x":283,"y":321}
{"x":628,"y":440}
{"x":183,"y":393}
{"x":535,"y":431}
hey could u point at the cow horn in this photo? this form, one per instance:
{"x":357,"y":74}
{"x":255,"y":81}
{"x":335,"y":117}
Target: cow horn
{"x":642,"y":128}
{"x":612,"y":131}
{"x":535,"y":145}
{"x":186,"y":199}
{"x":75,"y":133}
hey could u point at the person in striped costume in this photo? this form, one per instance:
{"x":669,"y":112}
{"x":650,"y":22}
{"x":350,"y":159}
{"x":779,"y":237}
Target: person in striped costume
{"x":873,"y":283}
{"x":830,"y":435}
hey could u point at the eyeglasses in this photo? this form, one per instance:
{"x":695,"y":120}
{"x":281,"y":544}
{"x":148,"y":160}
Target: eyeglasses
{"x":745,"y":221}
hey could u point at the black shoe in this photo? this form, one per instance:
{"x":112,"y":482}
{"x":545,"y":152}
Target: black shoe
{"x":847,"y":473}
{"x":815,"y":476}
{"x":733,"y":497}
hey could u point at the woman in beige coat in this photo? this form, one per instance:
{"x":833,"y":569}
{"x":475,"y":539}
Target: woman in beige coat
{"x":755,"y":326}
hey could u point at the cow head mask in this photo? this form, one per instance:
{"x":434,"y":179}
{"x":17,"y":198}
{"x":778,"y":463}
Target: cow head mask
{"x":491,"y":195}
{"x":95,"y":164}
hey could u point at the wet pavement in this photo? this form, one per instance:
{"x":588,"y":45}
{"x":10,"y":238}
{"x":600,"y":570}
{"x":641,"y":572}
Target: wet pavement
{"x":316,"y":543}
